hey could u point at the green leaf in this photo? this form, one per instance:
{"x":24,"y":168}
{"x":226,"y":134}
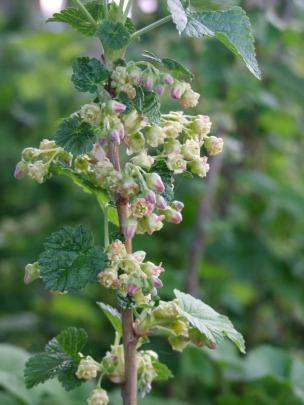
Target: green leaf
{"x":113,"y":35}
{"x":75,"y":136}
{"x":211,"y":324}
{"x":178,"y":13}
{"x":151,"y":107}
{"x":113,"y":316}
{"x":163,"y":372}
{"x":231,"y":27}
{"x":88,"y":73}
{"x":60,"y":359}
{"x":70,"y":260}
{"x":78,"y":19}
{"x":178,"y":70}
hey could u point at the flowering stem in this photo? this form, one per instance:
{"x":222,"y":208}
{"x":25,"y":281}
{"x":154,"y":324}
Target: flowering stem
{"x":150,"y":27}
{"x":86,"y":12}
{"x":129,"y":391}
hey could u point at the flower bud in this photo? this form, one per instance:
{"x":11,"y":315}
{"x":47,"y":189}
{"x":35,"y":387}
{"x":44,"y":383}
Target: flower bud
{"x":151,"y":269}
{"x":151,"y":197}
{"x":155,"y":136}
{"x":143,"y":160}
{"x":108,"y":278}
{"x":173,"y":216}
{"x":172,"y":129}
{"x":115,"y":136}
{"x":132,"y":289}
{"x":148,"y":81}
{"x":200,"y":166}
{"x":38,"y":171}
{"x":141,"y":208}
{"x":157,"y":283}
{"x":116,"y":107}
{"x":154,"y":223}
{"x":128,"y":188}
{"x":176,"y":163}
{"x":135,"y":75}
{"x":129,"y":90}
{"x":32,"y":273}
{"x":46,"y":144}
{"x":180,"y":327}
{"x":214,"y":145}
{"x":168,"y":79}
{"x":167,"y":310}
{"x":201,"y":125}
{"x":191,"y":150}
{"x":87,"y":369}
{"x":116,"y":250}
{"x":20,"y":170}
{"x":178,"y":90}
{"x":178,"y":343}
{"x":136,"y":143}
{"x":91,"y":113}
{"x":129,"y":229}
{"x":98,"y":397}
{"x":139,"y":256}
{"x":133,"y":122}
{"x":159,"y":89}
{"x":161,"y":202}
{"x":29,"y":154}
{"x":189,"y":98}
{"x":154,"y":182}
{"x":129,"y":264}
{"x":177,"y":205}
{"x":98,"y":152}
{"x":81,"y":163}
{"x":172,"y":146}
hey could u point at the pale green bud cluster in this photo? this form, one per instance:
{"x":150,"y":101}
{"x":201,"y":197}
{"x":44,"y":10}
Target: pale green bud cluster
{"x":98,"y":397}
{"x":32,"y":272}
{"x":87,"y":369}
{"x":146,"y":371}
{"x":36,"y":162}
{"x":129,"y":274}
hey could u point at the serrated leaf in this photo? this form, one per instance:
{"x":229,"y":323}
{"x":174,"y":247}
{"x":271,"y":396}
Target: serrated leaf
{"x":78,"y":19}
{"x":163,"y":372}
{"x":75,"y":136}
{"x":70,"y":260}
{"x":211,"y":324}
{"x":151,"y":107}
{"x":231,"y":27}
{"x":88,"y":73}
{"x":178,"y":70}
{"x":59,"y":359}
{"x":113,"y":316}
{"x":113,"y":35}
{"x":178,"y":14}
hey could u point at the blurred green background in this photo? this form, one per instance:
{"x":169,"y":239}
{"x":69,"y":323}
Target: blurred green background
{"x":240,"y":247}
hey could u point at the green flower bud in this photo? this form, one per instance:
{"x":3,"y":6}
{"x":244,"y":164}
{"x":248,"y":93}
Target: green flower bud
{"x":82,"y":163}
{"x":191,"y":150}
{"x":155,"y":136}
{"x":98,"y":397}
{"x":87,"y":369}
{"x":178,"y":343}
{"x":214,"y":145}
{"x":91,"y":113}
{"x":38,"y":171}
{"x":172,"y":146}
{"x":46,"y":144}
{"x":143,"y":160}
{"x":176,"y":163}
{"x":32,"y":272}
{"x":167,"y":310}
{"x":28,"y":154}
{"x":200,"y":166}
{"x":136,"y":143}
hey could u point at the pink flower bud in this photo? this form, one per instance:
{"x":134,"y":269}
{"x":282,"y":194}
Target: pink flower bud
{"x":148,"y":82}
{"x":168,"y":79}
{"x":132,"y":289}
{"x":160,"y":89}
{"x":139,"y":256}
{"x":155,"y":182}
{"x":178,"y":205}
{"x":177,"y":91}
{"x":161,"y":202}
{"x":176,"y":217}
{"x":129,"y":229}
{"x":151,"y":197}
{"x":117,"y":107}
{"x":115,"y":136}
{"x":19,"y":173}
{"x":157,"y":282}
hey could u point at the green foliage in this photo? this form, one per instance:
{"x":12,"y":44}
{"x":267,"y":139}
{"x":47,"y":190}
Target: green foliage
{"x":70,"y":259}
{"x":178,"y":13}
{"x":75,"y":136}
{"x":88,"y":73}
{"x":177,"y":69}
{"x":163,"y":372}
{"x":151,"y":107}
{"x":113,"y":35}
{"x":78,"y":19}
{"x":231,"y":27}
{"x":213,"y":326}
{"x":60,"y":358}
{"x":113,"y":316}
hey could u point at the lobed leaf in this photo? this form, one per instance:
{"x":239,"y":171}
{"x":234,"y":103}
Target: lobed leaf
{"x":88,"y":73}
{"x":211,"y":324}
{"x":60,"y":359}
{"x":151,"y":107}
{"x":178,"y":14}
{"x":231,"y":27}
{"x":177,"y":69}
{"x":113,"y":35}
{"x":70,"y":260}
{"x":77,"y":19}
{"x":163,"y":372}
{"x":75,"y":136}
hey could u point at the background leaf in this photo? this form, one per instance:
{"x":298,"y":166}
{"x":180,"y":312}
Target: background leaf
{"x":113,"y":316}
{"x":88,"y":73}
{"x":113,"y":35}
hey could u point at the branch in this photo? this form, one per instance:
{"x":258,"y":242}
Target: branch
{"x":150,"y":27}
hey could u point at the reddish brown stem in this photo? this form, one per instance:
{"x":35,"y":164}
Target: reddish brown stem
{"x":129,"y":391}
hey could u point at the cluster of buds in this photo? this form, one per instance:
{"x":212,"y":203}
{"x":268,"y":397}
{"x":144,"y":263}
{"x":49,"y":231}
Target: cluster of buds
{"x":126,"y":78}
{"x":113,"y":367}
{"x":98,"y":397}
{"x":168,"y":316}
{"x":36,"y":162}
{"x":130,"y":274}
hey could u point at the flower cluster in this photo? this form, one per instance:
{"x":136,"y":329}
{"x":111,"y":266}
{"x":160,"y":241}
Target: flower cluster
{"x":126,"y":78}
{"x":168,"y":316}
{"x":87,"y":369}
{"x":98,"y":397}
{"x":36,"y":162}
{"x":130,"y":274}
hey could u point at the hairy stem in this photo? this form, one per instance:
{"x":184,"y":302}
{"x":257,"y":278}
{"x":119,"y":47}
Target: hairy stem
{"x":86,"y":12}
{"x":151,"y":27}
{"x":129,"y":391}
